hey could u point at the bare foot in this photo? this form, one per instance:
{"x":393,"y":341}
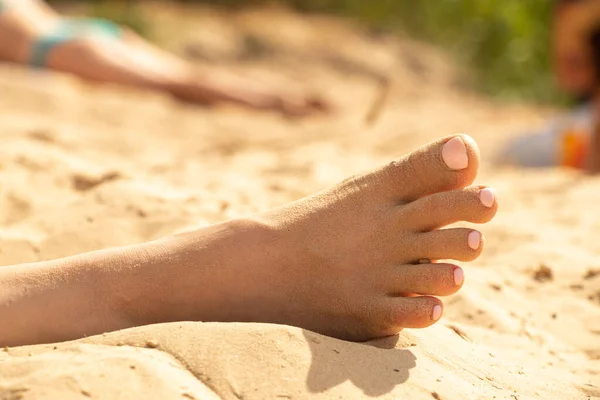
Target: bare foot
{"x":338,"y":262}
{"x":341,"y":262}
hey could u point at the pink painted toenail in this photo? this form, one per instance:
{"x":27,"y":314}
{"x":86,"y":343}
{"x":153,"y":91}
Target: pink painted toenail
{"x":487,"y":197}
{"x":474,"y":240}
{"x":459,"y":276}
{"x":436,"y":313}
{"x":454,"y":154}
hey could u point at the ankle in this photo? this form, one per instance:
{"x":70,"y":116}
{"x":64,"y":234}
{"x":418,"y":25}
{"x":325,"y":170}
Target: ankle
{"x":215,"y":273}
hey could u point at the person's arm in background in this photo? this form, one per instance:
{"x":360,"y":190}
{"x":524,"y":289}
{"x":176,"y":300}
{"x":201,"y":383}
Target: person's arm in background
{"x":593,"y":160}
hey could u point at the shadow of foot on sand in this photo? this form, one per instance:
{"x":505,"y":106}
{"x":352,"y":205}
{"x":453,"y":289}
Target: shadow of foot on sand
{"x":230,"y":360}
{"x":375,"y":367}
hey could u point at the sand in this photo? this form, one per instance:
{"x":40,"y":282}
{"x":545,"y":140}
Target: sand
{"x":84,"y":167}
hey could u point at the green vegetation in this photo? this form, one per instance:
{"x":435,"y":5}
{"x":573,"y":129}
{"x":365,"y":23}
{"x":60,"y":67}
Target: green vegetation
{"x":504,"y":42}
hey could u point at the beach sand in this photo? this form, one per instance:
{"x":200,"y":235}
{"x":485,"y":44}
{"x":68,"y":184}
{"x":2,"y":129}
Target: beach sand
{"x":85,"y":167}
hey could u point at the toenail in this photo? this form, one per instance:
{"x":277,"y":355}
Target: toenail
{"x":459,"y":276}
{"x":454,"y":154}
{"x":487,"y":197}
{"x":436,"y":313}
{"x":474,"y":240}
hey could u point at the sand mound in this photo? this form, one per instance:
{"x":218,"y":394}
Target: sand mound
{"x":87,"y":167}
{"x":236,"y":361}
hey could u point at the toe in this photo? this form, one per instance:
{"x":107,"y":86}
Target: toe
{"x":410,"y":312}
{"x":460,"y":244}
{"x":476,"y":204}
{"x":446,"y":164}
{"x":424,"y":279}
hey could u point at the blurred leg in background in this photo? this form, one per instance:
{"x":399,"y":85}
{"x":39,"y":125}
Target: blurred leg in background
{"x":99,"y":50}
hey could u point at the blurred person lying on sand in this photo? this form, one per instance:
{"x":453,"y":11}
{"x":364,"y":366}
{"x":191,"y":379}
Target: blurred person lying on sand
{"x":356,"y":261}
{"x":572,"y":140}
{"x":98,"y":50}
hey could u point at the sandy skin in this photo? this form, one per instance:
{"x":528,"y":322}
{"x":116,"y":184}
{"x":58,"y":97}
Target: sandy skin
{"x":346,"y":262}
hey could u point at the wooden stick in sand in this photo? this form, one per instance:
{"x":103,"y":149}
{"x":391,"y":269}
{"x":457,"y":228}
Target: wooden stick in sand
{"x":384,"y":86}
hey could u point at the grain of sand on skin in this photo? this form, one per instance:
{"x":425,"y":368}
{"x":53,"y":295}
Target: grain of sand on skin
{"x":123,"y":166}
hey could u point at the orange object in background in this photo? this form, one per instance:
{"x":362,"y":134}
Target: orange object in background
{"x":575,"y":148}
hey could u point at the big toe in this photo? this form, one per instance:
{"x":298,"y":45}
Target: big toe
{"x":446,"y":164}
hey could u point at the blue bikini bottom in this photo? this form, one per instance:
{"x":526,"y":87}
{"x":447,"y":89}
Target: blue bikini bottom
{"x":71,"y":29}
